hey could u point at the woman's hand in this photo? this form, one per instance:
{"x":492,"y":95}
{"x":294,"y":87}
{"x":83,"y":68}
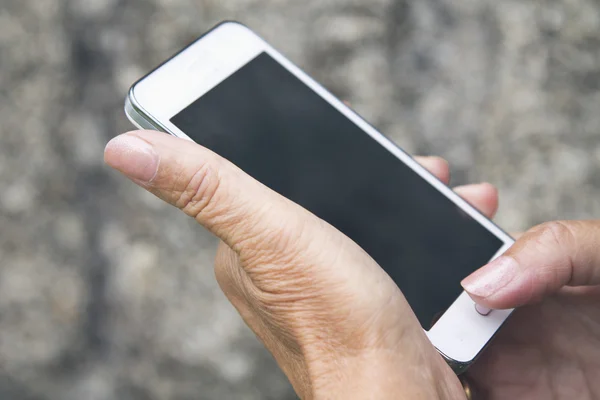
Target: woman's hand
{"x":550,"y":348}
{"x":335,"y":322}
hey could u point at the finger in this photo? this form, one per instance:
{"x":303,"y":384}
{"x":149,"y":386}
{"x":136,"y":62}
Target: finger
{"x":483,"y":197}
{"x":437,"y":166}
{"x":541,"y":262}
{"x":220,"y":196}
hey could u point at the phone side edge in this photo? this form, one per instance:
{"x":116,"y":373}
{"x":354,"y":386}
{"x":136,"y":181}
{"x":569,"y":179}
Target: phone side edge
{"x":135,"y":115}
{"x":142,"y":119}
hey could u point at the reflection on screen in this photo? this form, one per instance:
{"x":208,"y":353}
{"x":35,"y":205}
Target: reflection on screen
{"x":266,"y":121}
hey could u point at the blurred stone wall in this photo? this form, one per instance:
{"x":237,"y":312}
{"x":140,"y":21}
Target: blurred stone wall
{"x":105,"y":293}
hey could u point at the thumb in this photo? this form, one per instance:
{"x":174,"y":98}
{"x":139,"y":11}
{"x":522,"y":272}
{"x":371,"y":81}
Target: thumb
{"x":541,"y":262}
{"x":220,"y":196}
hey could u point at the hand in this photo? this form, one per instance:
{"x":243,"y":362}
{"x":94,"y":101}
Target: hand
{"x":550,"y":348}
{"x":335,"y":322}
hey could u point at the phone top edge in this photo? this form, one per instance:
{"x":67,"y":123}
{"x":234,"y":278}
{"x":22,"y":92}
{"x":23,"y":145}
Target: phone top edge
{"x":168,"y":59}
{"x":136,"y":113}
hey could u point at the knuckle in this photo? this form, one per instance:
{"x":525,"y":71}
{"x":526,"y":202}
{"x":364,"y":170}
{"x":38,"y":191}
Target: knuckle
{"x":198,"y":193}
{"x":555,"y":233}
{"x":555,"y":238}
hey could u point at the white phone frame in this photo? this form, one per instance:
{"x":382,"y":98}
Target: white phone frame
{"x":461,"y":333}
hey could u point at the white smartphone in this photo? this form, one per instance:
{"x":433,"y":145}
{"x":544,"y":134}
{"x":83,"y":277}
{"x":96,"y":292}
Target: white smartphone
{"x":236,"y":95}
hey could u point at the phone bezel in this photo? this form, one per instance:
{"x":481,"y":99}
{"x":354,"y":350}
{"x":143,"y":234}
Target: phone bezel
{"x":461,"y":333}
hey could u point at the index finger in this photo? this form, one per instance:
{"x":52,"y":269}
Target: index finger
{"x":542,"y":261}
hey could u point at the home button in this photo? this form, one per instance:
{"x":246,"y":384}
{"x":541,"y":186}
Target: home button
{"x":482,"y":310}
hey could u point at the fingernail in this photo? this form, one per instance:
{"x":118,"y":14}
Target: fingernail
{"x":492,"y":277}
{"x":133,"y":157}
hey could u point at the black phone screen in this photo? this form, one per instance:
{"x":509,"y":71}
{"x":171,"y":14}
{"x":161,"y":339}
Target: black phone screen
{"x":278,"y":130}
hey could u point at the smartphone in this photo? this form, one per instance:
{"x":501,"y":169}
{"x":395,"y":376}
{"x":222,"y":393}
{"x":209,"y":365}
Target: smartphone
{"x":233,"y":93}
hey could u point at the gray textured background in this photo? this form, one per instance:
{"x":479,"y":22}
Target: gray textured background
{"x":105,"y":293}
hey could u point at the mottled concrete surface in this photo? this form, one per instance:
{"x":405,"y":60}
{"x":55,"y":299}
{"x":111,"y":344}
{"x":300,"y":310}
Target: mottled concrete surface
{"x":105,"y":293}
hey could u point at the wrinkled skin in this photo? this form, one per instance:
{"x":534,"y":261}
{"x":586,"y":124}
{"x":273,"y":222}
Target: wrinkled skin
{"x":334,"y":321}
